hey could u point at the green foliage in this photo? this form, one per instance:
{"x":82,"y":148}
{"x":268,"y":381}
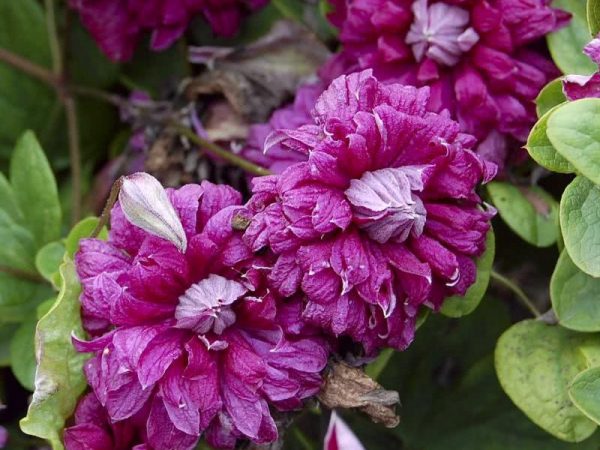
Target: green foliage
{"x":31,"y":105}
{"x":579,"y":222}
{"x":59,"y":380}
{"x":575,"y":296}
{"x":22,"y":353}
{"x":530,"y":212}
{"x":541,"y":149}
{"x":82,"y":230}
{"x":566,"y":44}
{"x":593,"y":16}
{"x":7,"y":330}
{"x":550,"y":96}
{"x":30,"y":216}
{"x":459,"y":306}
{"x":48,"y":261}
{"x":451,"y":398}
{"x":35,"y":189}
{"x":574,"y":133}
{"x":535,"y":363}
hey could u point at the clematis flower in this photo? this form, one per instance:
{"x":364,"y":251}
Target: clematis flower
{"x":383,"y":216}
{"x":291,"y":116}
{"x":576,"y":87}
{"x":93,"y":429}
{"x":478,"y":56}
{"x":117,"y":25}
{"x":339,"y":435}
{"x":191,"y":333}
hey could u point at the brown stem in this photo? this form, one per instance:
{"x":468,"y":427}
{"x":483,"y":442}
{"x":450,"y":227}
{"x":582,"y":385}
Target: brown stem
{"x":74,"y":157}
{"x":112,"y":199}
{"x":30,"y":68}
{"x":97,"y":94}
{"x":23,"y":274}
{"x":216,"y":150}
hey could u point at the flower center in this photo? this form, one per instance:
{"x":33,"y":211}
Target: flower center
{"x":384,"y":204}
{"x":440,"y":32}
{"x":206,"y":306}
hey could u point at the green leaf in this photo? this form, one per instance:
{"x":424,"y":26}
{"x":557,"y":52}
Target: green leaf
{"x":22,"y":354}
{"x":541,"y":149}
{"x":593,"y":16}
{"x":24,"y":101}
{"x":535,"y":363}
{"x":59,"y":379}
{"x":550,"y":96}
{"x":48,"y":261}
{"x":375,"y":368}
{"x":566,"y":45}
{"x":575,"y":296}
{"x":529,"y":211}
{"x":458,"y":306}
{"x":584,"y":392}
{"x":450,"y":394}
{"x":580,"y":224}
{"x":17,"y":249}
{"x":573,"y":131}
{"x":35,"y":189}
{"x":19,"y":298}
{"x":82,"y":230}
{"x":7,"y":330}
{"x":8,"y":201}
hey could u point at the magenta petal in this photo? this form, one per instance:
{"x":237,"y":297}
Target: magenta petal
{"x":87,"y":436}
{"x":162,"y":433}
{"x":159,"y":354}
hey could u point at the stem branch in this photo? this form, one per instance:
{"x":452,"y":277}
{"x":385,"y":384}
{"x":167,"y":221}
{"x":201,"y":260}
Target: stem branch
{"x":216,"y":150}
{"x":23,"y":274}
{"x":74,"y":157}
{"x":519,"y":293}
{"x":112,"y":199}
{"x":30,"y":68}
{"x":55,"y":49}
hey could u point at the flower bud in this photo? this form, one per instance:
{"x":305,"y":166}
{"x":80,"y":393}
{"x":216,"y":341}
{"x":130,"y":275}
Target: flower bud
{"x":145,"y":204}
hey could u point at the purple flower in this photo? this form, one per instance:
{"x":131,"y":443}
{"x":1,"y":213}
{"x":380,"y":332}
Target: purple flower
{"x":93,"y":429}
{"x":576,"y":87}
{"x":382,"y":218}
{"x":291,"y":116}
{"x":191,"y":333}
{"x":339,"y":436}
{"x":3,"y":437}
{"x":477,"y":56}
{"x":117,"y":25}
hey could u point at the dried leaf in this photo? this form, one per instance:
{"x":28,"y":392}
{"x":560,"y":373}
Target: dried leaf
{"x":350,"y":387}
{"x":257,"y":78}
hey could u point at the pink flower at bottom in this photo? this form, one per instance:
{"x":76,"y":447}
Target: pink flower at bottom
{"x":93,"y":429}
{"x":339,"y":435}
{"x":185,"y":326}
{"x":382,"y":218}
{"x":480,"y":58}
